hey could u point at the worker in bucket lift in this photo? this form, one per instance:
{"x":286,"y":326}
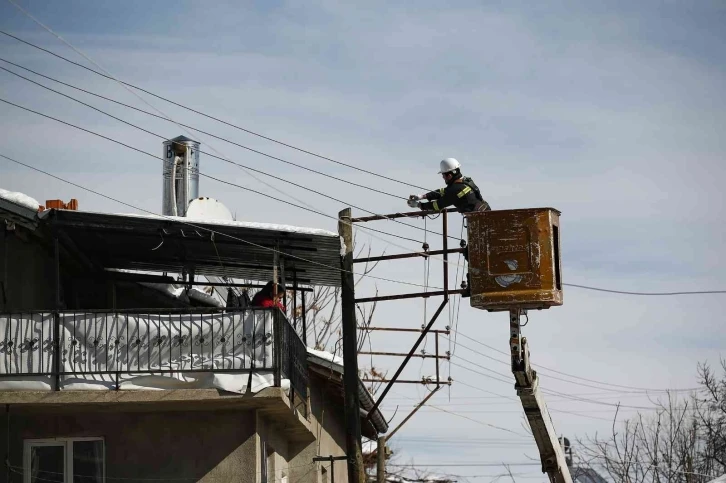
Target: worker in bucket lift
{"x":460,"y":191}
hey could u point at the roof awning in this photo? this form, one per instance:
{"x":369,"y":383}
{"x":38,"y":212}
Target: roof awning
{"x":217,"y":248}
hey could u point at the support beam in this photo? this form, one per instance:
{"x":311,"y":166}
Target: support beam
{"x":401,"y":354}
{"x":407,"y":381}
{"x":392,"y":216}
{"x":407,"y":255}
{"x":408,"y":357}
{"x":381,"y":460}
{"x":418,"y":295}
{"x":356,"y":471}
{"x":56,"y":315}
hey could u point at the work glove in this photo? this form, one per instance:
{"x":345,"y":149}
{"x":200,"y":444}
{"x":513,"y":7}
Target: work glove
{"x":413,"y":201}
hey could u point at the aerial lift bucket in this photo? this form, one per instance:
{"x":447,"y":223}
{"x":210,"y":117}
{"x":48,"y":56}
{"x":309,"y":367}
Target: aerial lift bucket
{"x":514,"y":259}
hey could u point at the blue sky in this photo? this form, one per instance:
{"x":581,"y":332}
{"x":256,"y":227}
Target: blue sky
{"x":612,"y":112}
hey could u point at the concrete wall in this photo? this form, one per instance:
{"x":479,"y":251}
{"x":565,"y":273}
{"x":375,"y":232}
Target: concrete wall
{"x":328,"y":424}
{"x":205,"y":446}
{"x":157,"y":439}
{"x":271,"y":436}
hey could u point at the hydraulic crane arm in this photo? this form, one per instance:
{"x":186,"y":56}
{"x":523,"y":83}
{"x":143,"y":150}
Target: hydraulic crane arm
{"x":550,"y":451}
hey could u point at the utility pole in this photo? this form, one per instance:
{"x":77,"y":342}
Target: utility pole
{"x":381,"y":460}
{"x":356,"y":472}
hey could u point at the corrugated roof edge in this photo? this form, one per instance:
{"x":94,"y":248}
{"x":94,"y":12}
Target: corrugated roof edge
{"x":236,"y":224}
{"x":18,"y":210}
{"x":366,"y":399}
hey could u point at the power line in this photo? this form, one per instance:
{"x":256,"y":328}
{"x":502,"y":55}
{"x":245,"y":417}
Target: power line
{"x":537,"y":366}
{"x":546,"y":375}
{"x":137,"y":95}
{"x":208,"y":154}
{"x":248,"y":131}
{"x":312,"y":210}
{"x":199,"y":227}
{"x":492,"y":400}
{"x":321,"y":173}
{"x":564,"y":411}
{"x":200,"y":173}
{"x":601,"y":395}
{"x":552,"y":392}
{"x":426,"y":465}
{"x":472,"y":419}
{"x":568,"y":411}
{"x":623,"y":292}
{"x":168,"y":119}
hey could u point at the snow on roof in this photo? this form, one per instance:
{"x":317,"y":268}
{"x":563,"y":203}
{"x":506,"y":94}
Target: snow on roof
{"x":22,"y":199}
{"x":326,"y":355}
{"x":238,"y":224}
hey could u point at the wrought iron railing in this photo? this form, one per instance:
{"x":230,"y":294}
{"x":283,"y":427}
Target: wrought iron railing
{"x":78,"y":349}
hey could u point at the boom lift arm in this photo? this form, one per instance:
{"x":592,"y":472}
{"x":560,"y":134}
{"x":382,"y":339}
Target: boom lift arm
{"x":527,"y":386}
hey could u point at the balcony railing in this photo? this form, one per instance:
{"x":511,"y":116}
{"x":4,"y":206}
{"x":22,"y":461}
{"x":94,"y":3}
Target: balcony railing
{"x":236,"y":351}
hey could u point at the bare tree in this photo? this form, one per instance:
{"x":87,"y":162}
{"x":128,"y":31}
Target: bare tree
{"x":397,"y":470}
{"x":711,"y":416}
{"x":682,"y":440}
{"x":323,"y":311}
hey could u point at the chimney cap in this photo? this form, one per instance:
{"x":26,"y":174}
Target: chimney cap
{"x":183,"y":139}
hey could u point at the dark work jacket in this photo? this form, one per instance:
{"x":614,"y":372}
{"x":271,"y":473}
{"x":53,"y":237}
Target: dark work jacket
{"x":462,"y":193}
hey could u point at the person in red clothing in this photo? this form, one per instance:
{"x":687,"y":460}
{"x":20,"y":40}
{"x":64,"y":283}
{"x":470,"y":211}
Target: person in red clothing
{"x":269,"y":296}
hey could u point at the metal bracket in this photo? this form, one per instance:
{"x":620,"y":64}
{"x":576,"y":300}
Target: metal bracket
{"x":515,"y":337}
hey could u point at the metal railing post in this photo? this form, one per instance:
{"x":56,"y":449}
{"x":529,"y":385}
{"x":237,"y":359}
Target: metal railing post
{"x":56,"y":316}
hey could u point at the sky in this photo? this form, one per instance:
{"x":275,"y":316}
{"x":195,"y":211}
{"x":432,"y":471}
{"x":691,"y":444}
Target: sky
{"x":612,"y":112}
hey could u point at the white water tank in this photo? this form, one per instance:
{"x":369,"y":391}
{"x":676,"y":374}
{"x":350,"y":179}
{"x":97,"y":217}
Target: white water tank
{"x":207,"y":209}
{"x":180,"y":175}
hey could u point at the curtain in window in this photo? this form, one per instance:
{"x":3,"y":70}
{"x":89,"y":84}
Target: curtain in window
{"x":87,"y":462}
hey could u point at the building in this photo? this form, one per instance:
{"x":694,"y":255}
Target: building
{"x":122,"y":359}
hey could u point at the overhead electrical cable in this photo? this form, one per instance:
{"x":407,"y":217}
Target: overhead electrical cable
{"x":128,"y":106}
{"x":312,"y":210}
{"x":656,"y":294}
{"x":200,"y":173}
{"x":549,"y":376}
{"x":211,"y":155}
{"x":131,"y":86}
{"x":248,"y":131}
{"x":483,"y":423}
{"x":552,"y":392}
{"x":539,"y":367}
{"x":199,"y":227}
{"x":136,"y":94}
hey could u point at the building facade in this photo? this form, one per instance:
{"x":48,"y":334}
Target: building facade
{"x":111,"y":369}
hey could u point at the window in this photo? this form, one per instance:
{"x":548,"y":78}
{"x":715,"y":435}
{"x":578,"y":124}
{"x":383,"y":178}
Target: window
{"x":64,"y":460}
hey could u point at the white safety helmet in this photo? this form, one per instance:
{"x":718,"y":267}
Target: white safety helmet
{"x":449,"y":164}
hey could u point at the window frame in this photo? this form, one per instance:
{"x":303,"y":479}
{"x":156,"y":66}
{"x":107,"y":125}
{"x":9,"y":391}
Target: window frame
{"x":67,"y":445}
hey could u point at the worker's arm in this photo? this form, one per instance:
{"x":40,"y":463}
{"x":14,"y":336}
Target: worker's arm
{"x":434,"y":195}
{"x":444,"y":197}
